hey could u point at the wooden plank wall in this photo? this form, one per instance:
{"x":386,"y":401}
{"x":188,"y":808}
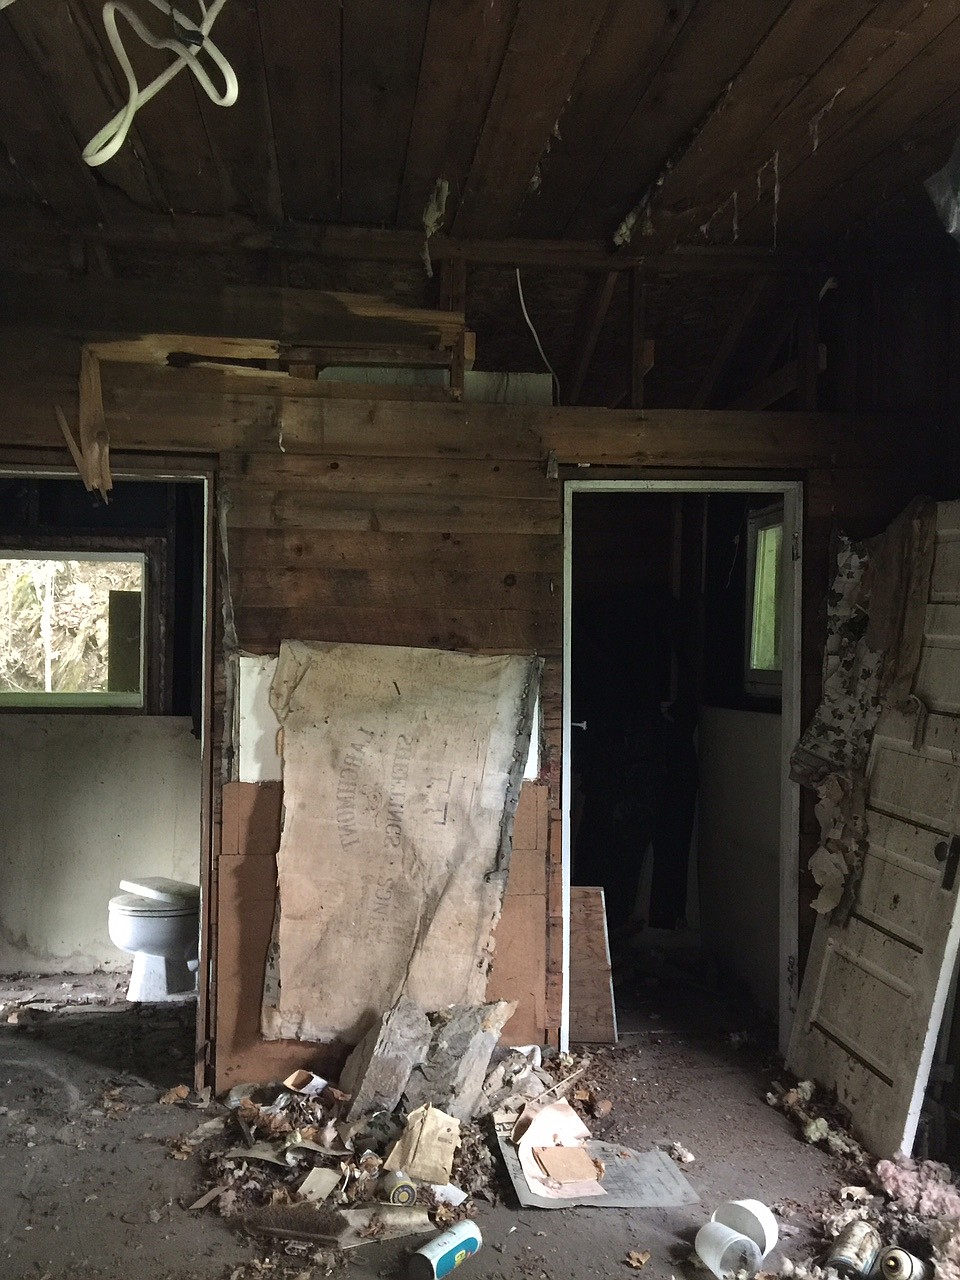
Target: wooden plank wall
{"x":419,"y":549}
{"x":428,"y":524}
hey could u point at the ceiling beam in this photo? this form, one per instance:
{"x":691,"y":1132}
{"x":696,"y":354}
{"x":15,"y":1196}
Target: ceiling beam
{"x":19,"y":230}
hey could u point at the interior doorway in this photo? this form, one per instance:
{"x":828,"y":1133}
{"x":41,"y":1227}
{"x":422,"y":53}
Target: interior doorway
{"x":681,"y":706}
{"x":105,"y":713}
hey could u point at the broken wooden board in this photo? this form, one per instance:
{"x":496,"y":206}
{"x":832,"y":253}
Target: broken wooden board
{"x":519,"y":970}
{"x":593,"y":1015}
{"x":401,"y":771}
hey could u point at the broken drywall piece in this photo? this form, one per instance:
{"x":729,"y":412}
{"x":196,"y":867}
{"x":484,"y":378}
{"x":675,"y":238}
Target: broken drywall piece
{"x":452,"y":1071}
{"x":402,"y":769}
{"x":319,"y":1183}
{"x":829,"y":868}
{"x":425,"y":1149}
{"x":378,"y":1069}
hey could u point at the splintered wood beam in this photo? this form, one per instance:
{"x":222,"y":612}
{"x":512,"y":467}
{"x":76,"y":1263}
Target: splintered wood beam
{"x":296,"y":317}
{"x":746,"y":306}
{"x":588,"y":326}
{"x":778,"y":385}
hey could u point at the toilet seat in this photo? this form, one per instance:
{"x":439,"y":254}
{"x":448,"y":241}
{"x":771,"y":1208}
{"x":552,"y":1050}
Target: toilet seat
{"x":162,"y":889}
{"x":131,"y":904}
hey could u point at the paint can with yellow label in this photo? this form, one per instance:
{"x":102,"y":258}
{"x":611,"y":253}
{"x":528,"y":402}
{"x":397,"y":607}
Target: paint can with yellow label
{"x":396,"y":1188}
{"x":445,"y":1252}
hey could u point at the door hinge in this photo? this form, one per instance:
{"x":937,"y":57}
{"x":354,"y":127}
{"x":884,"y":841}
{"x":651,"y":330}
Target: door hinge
{"x":795,"y":548}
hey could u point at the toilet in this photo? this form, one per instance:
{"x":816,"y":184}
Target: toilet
{"x":157,"y":921}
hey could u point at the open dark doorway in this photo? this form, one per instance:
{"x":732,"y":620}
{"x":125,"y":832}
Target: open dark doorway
{"x":681,"y":655}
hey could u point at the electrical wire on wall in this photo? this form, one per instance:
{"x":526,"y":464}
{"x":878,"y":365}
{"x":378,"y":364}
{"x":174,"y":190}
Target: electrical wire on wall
{"x":187,"y":41}
{"x":536,"y":338}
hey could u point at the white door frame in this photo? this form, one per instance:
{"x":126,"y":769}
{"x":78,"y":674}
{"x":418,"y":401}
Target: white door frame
{"x":792,"y":491}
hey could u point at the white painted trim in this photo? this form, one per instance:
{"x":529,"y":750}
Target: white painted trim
{"x":792,"y":491}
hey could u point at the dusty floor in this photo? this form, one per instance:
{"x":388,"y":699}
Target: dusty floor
{"x":89,"y":1188}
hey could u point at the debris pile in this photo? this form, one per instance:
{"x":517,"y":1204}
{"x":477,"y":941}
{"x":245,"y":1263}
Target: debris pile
{"x":900,"y":1220}
{"x":397,"y":1147}
{"x":819,"y":1123}
{"x":404,"y":1142}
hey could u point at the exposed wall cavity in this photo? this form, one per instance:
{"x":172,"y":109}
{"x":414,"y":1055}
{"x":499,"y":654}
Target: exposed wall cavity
{"x":87,"y":799}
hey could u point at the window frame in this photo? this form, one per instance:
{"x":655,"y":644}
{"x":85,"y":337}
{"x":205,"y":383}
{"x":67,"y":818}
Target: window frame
{"x":762,"y":682}
{"x":150,"y":701}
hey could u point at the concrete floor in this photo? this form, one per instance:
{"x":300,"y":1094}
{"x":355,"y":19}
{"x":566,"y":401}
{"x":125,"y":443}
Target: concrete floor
{"x":89,"y":1188}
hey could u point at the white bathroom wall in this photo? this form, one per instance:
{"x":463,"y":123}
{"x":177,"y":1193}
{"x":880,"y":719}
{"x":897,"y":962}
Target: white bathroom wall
{"x":739,"y":832}
{"x":85,"y":800}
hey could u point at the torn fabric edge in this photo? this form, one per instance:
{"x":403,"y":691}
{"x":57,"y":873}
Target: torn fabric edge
{"x":282,"y":696}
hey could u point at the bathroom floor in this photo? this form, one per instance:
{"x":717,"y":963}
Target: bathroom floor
{"x":94,"y":1186}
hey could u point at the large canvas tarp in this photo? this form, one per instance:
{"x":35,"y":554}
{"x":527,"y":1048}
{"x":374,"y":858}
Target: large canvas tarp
{"x":401,"y":772}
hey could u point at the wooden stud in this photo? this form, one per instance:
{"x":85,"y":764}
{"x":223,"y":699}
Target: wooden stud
{"x":772,"y":389}
{"x":809,"y":351}
{"x":453,"y":285}
{"x":588,"y":326}
{"x":745,"y":308}
{"x":638,"y":342}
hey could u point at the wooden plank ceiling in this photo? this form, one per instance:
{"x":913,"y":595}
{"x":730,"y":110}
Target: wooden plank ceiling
{"x":697,"y":122}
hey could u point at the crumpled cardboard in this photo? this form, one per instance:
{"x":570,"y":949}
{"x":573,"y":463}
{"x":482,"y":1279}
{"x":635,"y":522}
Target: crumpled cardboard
{"x":555,"y":1125}
{"x":426,"y":1148}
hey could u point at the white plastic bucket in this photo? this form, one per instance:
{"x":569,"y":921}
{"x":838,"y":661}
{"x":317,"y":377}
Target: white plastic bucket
{"x":727,"y":1253}
{"x":751,"y":1218}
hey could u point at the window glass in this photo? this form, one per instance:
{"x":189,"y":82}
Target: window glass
{"x":765,"y":631}
{"x":71,"y":629}
{"x":762,"y":660}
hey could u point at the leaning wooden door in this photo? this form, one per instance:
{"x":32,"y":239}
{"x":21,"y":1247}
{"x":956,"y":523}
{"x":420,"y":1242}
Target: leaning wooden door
{"x":874,"y":994}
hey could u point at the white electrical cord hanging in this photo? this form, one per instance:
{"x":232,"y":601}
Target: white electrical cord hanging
{"x":105,"y":144}
{"x":536,"y":337}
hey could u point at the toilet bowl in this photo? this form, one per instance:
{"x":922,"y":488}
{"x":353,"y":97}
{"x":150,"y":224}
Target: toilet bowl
{"x":157,"y":921}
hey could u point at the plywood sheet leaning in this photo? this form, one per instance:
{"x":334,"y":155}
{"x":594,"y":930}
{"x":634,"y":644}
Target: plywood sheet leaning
{"x":593,"y":1015}
{"x":879,"y":972}
{"x":520,"y":959}
{"x":401,"y":770}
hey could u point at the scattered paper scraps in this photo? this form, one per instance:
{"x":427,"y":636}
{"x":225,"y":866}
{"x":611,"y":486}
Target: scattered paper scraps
{"x":637,"y":1260}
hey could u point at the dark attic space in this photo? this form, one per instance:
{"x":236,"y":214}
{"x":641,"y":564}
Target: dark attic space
{"x":479,"y":616}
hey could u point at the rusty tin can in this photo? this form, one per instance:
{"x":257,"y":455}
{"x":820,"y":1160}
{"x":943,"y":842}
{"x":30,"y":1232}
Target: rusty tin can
{"x":855,"y":1250}
{"x":897,"y":1264}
